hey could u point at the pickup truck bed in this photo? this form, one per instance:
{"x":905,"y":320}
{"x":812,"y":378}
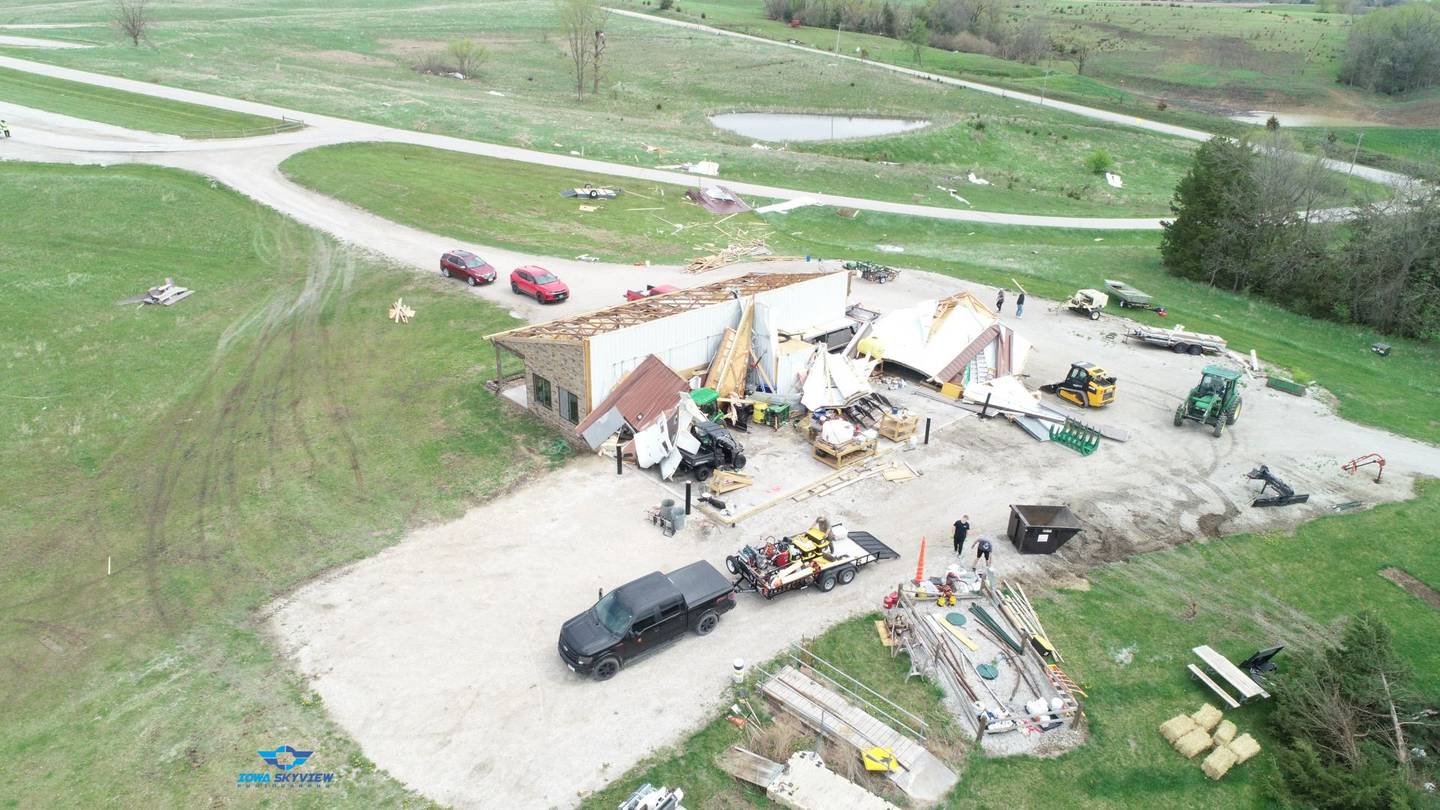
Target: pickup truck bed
{"x":700,"y":582}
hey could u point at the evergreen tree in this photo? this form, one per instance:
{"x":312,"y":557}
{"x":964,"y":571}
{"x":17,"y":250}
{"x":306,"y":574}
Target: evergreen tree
{"x":1216,"y":207}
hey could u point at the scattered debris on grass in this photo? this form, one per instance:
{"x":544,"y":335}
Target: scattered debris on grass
{"x":399,"y":312}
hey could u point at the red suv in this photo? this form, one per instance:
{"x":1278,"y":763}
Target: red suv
{"x":539,"y":283}
{"x":466,"y":265}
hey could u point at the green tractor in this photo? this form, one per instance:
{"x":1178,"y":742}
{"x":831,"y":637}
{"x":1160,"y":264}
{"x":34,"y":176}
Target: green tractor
{"x":1215,"y":401}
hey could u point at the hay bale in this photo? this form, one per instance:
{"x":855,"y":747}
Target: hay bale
{"x":1244,"y":747}
{"x":1176,"y":727}
{"x":1207,"y":717}
{"x":1219,"y":762}
{"x":1225,"y":732}
{"x":1193,"y":743}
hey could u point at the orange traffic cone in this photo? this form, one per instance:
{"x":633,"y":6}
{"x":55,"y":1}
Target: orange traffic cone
{"x":920,"y":566}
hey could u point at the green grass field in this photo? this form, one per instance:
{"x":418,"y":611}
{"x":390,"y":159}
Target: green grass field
{"x":514,"y":205}
{"x":213,"y":454}
{"x":1413,"y":150}
{"x":1126,"y":639}
{"x":661,"y":84}
{"x":1205,"y":60}
{"x":130,"y":110}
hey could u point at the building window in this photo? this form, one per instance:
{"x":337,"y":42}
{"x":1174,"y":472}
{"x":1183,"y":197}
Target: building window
{"x":569,"y":407}
{"x":541,"y":387}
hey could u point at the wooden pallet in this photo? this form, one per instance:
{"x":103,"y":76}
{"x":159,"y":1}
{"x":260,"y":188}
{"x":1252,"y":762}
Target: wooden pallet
{"x":838,"y":457}
{"x":898,"y":428}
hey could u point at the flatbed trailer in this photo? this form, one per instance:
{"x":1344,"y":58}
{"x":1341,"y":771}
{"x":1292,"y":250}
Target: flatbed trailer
{"x":836,"y":566}
{"x":1178,"y":340}
{"x":1129,"y":296}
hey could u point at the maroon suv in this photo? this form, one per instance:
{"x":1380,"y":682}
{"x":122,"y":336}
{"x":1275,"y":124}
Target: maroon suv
{"x":539,"y":283}
{"x":466,"y":265}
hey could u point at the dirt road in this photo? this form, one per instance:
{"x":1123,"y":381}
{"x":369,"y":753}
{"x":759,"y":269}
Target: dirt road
{"x":439,"y":656}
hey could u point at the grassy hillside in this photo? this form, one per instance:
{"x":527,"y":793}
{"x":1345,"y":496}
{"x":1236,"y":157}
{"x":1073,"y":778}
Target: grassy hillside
{"x":1126,"y":638}
{"x":128,"y":109}
{"x":211,"y":455}
{"x":355,"y":59}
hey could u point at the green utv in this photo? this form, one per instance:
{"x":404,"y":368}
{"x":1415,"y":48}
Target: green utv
{"x":1215,"y":401}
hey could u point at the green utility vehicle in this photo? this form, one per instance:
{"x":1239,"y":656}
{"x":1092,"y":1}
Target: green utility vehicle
{"x":1215,"y":401}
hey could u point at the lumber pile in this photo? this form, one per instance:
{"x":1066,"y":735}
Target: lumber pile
{"x":747,"y":250}
{"x":1017,"y":608}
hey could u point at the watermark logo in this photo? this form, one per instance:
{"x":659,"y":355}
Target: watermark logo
{"x":284,"y":759}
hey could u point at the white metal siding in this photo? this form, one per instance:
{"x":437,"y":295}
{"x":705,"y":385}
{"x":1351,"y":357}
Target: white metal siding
{"x":691,"y":338}
{"x":800,"y":306}
{"x":682,"y":341}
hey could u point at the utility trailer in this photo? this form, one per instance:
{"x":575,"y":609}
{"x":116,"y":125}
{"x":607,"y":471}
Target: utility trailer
{"x":1129,"y":296}
{"x":1178,"y":340}
{"x":824,"y":560}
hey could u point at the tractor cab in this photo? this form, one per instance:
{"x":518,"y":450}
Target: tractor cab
{"x":1087,"y":385}
{"x":1215,"y":401}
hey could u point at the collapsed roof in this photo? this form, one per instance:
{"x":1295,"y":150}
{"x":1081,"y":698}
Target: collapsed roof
{"x":953,"y":339}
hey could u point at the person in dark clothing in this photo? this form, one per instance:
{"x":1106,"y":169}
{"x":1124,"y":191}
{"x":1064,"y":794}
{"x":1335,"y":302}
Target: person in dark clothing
{"x":962,"y":528}
{"x":1000,"y":301}
{"x":982,"y":549}
{"x":1020,"y":304}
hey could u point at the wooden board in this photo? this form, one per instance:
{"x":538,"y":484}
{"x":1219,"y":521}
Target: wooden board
{"x":723,"y":481}
{"x":1214,"y":687}
{"x":1231,"y":674}
{"x":884,"y":632}
{"x":960,"y":635}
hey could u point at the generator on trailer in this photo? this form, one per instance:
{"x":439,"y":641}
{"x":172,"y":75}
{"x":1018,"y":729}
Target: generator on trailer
{"x":825,"y":555}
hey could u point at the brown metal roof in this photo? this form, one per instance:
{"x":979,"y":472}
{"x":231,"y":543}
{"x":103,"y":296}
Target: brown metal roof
{"x":577,"y":328}
{"x":650,"y":390}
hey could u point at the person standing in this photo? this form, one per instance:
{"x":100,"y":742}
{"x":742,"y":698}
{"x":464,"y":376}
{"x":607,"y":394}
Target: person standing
{"x":1020,"y":304}
{"x":1000,"y":301}
{"x":982,"y":549}
{"x":962,"y":528}
{"x":4,"y":128}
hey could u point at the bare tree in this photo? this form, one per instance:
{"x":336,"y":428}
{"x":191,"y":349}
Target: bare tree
{"x":580,"y":21}
{"x":133,"y":18}
{"x":597,"y":50}
{"x":466,"y":56}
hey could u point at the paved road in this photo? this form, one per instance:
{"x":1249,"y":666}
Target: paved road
{"x":1367,"y":172}
{"x":340,"y":130}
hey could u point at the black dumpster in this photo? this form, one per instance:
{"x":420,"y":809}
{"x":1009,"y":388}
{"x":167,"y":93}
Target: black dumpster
{"x":1042,"y":529}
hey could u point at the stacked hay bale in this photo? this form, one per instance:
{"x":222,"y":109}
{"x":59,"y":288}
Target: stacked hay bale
{"x":1206,"y":729}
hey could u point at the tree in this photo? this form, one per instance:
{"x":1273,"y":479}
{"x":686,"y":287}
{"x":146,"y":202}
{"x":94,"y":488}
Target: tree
{"x":1338,"y":713}
{"x":1394,"y":50}
{"x":1079,"y":51}
{"x":1213,"y":202}
{"x":1098,"y":162}
{"x":918,"y":37}
{"x":133,"y":18}
{"x":466,"y":56}
{"x":582,"y":25}
{"x":1388,"y":273}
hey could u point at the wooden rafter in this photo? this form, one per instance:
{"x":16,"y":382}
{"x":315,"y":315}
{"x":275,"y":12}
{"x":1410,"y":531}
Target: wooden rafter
{"x":633,"y":313}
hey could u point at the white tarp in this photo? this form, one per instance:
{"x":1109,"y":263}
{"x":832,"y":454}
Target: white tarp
{"x":1005,"y":392}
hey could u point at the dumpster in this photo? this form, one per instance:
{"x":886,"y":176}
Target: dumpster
{"x":1042,"y":529}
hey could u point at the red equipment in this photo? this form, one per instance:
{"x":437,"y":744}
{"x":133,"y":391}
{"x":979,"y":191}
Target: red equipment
{"x":1370,"y":458}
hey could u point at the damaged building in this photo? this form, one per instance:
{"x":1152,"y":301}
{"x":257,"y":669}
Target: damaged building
{"x":573,"y":364}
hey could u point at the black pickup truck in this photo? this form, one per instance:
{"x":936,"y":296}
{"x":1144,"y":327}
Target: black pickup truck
{"x":642,"y":616}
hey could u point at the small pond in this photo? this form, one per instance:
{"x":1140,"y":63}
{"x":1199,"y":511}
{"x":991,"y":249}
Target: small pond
{"x":1298,"y":119}
{"x":796,"y":127}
